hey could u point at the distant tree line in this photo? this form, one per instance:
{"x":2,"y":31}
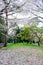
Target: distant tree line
{"x":31,"y":34}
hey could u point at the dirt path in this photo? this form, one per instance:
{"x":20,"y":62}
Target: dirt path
{"x":21,"y":56}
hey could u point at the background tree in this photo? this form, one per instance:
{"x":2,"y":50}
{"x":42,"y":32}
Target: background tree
{"x":37,"y":32}
{"x":2,"y":30}
{"x":30,"y":34}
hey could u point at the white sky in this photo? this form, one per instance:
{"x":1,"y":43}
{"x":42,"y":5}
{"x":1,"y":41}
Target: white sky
{"x":21,"y":16}
{"x":20,"y":25}
{"x":40,"y":24}
{"x":20,"y":0}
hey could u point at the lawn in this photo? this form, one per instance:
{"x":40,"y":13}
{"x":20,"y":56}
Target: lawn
{"x":11,"y":45}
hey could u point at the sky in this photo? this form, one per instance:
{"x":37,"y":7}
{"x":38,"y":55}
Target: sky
{"x":40,"y":25}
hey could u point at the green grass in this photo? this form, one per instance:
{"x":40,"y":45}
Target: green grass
{"x":11,"y":45}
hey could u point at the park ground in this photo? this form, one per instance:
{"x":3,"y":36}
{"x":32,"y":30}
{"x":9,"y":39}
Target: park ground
{"x":21,"y":54}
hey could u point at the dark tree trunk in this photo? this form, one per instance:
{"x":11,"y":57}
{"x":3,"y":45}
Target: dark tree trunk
{"x":5,"y":43}
{"x":6,"y":33}
{"x":39,"y":42}
{"x":30,"y":42}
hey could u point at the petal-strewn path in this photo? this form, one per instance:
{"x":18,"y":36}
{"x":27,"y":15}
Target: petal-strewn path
{"x":21,"y":56}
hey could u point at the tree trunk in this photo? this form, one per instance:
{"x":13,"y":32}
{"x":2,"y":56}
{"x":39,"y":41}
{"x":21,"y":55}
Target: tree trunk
{"x":39,"y":42}
{"x":6,"y":33}
{"x":5,"y":43}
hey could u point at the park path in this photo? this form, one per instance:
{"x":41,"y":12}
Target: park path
{"x":21,"y":56}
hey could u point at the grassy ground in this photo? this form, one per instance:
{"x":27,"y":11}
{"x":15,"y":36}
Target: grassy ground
{"x":11,"y":45}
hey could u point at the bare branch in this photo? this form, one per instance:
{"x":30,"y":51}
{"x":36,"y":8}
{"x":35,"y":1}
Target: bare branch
{"x":1,"y":12}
